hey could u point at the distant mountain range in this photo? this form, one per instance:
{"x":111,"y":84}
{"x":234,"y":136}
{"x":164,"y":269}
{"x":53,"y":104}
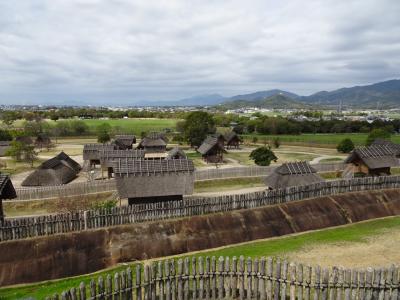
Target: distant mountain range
{"x":382,"y":95}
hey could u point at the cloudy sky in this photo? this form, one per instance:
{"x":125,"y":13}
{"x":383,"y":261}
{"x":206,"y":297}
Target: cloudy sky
{"x":121,"y":51}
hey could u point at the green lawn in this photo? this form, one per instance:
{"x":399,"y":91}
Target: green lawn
{"x":318,"y":139}
{"x":281,"y":247}
{"x":227,"y":184}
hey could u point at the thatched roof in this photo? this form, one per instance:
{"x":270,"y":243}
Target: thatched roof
{"x":124,"y":141}
{"x":55,"y":171}
{"x":24,"y":139}
{"x":72,"y":163}
{"x":92,"y":151}
{"x":7,"y":190}
{"x":231,"y":136}
{"x":107,"y":157}
{"x":292,"y":174}
{"x":141,"y":167}
{"x":176,"y":153}
{"x":154,"y":178}
{"x":208,"y":144}
{"x":374,"y":157}
{"x":382,"y":142}
{"x":4,"y":146}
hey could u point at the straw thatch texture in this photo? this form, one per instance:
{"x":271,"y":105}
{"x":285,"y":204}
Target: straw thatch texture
{"x":154,"y":178}
{"x":108,"y":157}
{"x":58,"y":170}
{"x":7,"y":191}
{"x":92,"y":151}
{"x":293,"y":174}
{"x":232,"y":140}
{"x":124,"y":142}
{"x":176,"y":153}
{"x":212,"y":149}
{"x":374,"y":157}
{"x":382,"y":142}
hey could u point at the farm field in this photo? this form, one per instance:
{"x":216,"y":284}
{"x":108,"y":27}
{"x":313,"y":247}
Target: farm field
{"x":370,"y":243}
{"x":318,"y":139}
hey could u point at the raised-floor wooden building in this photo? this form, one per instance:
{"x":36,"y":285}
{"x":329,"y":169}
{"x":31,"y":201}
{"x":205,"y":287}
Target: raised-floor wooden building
{"x":7,"y":191}
{"x":58,"y":170}
{"x":91,"y":152}
{"x":292,"y":174}
{"x":211,"y":150}
{"x":143,"y":181}
{"x":109,"y":157}
{"x":154,"y":142}
{"x":124,"y":142}
{"x":370,"y":161}
{"x":232,"y":140}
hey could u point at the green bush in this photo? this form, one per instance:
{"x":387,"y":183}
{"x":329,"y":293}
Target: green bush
{"x":263,"y":156}
{"x":345,"y":146}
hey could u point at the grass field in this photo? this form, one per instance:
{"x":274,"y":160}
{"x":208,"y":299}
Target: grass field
{"x":366,"y":235}
{"x":317,"y":139}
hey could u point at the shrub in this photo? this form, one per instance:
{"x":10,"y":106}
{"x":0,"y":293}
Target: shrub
{"x":345,"y":146}
{"x":263,"y":156}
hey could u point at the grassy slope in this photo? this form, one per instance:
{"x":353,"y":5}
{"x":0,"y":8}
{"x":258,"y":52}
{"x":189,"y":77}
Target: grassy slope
{"x":281,"y":246}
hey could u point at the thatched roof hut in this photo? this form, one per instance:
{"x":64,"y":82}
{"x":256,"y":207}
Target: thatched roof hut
{"x":91,"y":152}
{"x":154,"y":180}
{"x":211,"y":150}
{"x":220,"y":137}
{"x":4,"y":146}
{"x":292,"y":174}
{"x":232,"y":140}
{"x":124,"y":142}
{"x":370,"y":161}
{"x":72,"y":163}
{"x":24,"y":139}
{"x":176,"y":153}
{"x":7,"y":191}
{"x":42,"y":140}
{"x":382,"y":142}
{"x":55,"y":171}
{"x":153,"y":142}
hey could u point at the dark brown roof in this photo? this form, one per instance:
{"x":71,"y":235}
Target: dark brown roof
{"x":7,"y":190}
{"x":24,"y":139}
{"x":374,"y":157}
{"x":72,"y":163}
{"x":125,"y":167}
{"x":230,"y":136}
{"x":175,"y":153}
{"x":208,"y":144}
{"x":124,"y":141}
{"x":292,"y":174}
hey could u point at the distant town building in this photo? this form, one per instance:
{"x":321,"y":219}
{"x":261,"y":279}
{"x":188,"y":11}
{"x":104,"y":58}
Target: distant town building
{"x":7,"y":191}
{"x":143,"y":181}
{"x":370,"y":161}
{"x":58,"y":170}
{"x":212,"y":150}
{"x":292,"y":174}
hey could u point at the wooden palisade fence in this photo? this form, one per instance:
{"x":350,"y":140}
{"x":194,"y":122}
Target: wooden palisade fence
{"x":60,"y":223}
{"x":83,"y":188}
{"x":232,"y":278}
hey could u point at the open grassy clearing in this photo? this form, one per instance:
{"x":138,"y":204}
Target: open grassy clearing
{"x":360,"y":241}
{"x":318,"y":139}
{"x":14,"y":167}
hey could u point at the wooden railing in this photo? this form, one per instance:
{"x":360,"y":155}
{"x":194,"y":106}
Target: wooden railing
{"x":20,"y":228}
{"x":232,"y":278}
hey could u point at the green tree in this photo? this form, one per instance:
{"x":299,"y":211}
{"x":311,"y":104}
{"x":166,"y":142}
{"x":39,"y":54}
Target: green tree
{"x":8,"y":117}
{"x":197,"y":126}
{"x":22,"y":152}
{"x":377,"y":133}
{"x":103,"y":133}
{"x":79,"y":127}
{"x":345,"y":146}
{"x":5,"y":135}
{"x":263,"y":156}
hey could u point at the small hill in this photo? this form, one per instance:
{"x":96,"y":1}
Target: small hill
{"x":273,"y":102}
{"x":263,"y":94}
